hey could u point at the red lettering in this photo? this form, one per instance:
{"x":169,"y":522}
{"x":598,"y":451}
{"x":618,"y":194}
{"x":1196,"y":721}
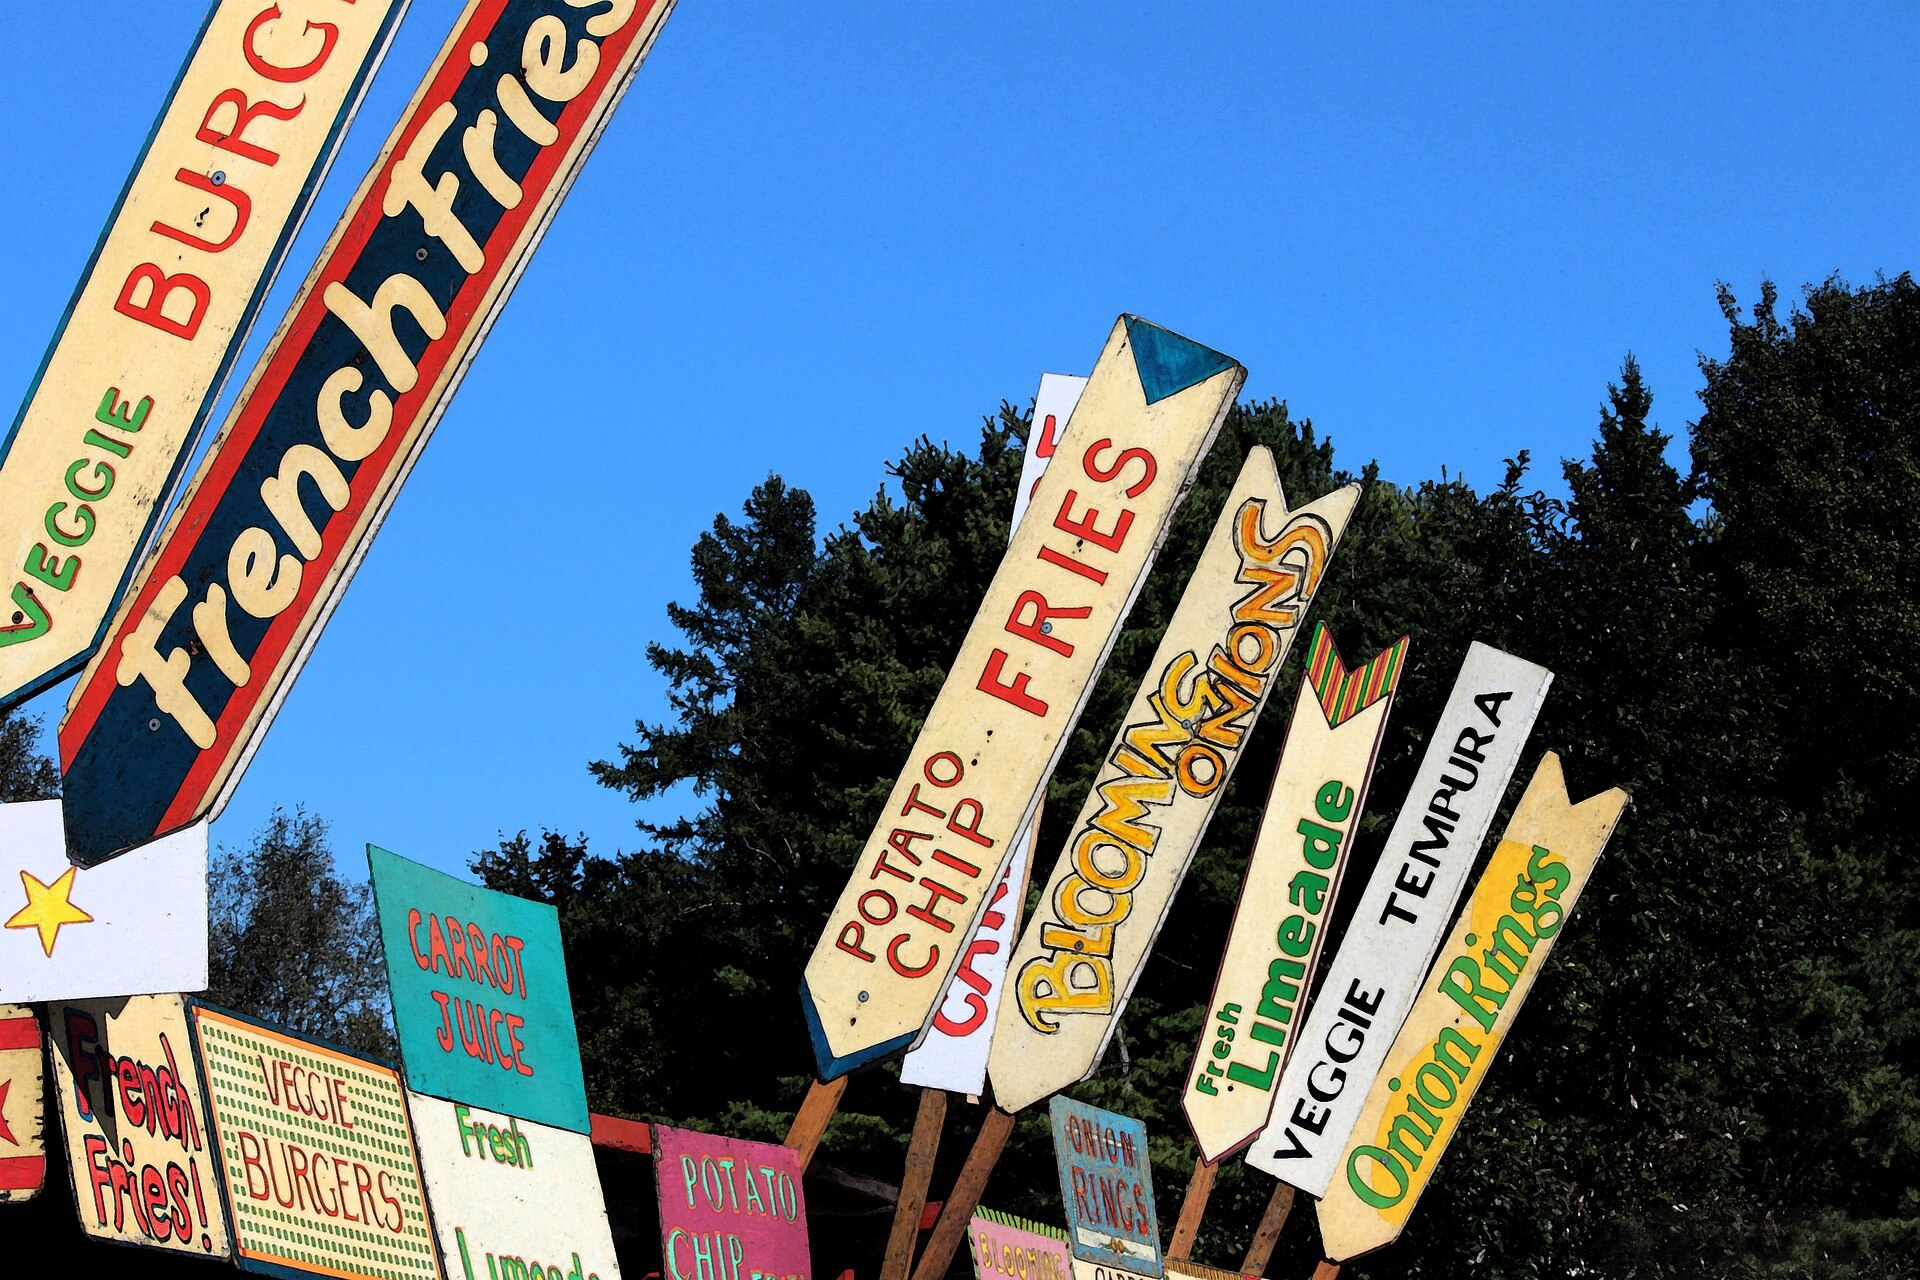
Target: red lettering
{"x":1037,"y":628}
{"x":243,"y":115}
{"x":329,"y":35}
{"x":241,"y":203}
{"x":160,"y":286}
{"x":1088,"y":527}
{"x":1014,"y":692}
{"x":1141,"y":456}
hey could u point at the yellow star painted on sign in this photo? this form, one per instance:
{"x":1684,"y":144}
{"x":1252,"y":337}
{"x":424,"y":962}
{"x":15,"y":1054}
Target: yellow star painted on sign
{"x":48,"y":907}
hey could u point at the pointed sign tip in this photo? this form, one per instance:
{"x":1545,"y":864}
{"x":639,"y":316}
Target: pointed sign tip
{"x":832,"y":1066}
{"x":1168,"y":363}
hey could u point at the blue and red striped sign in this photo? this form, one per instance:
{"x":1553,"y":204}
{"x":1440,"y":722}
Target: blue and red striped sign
{"x":219,"y":620}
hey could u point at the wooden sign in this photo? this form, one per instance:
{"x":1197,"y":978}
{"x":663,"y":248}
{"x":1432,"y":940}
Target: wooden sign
{"x":23,"y":1106}
{"x":481,"y":1005}
{"x":73,"y":933}
{"x":1148,"y":415}
{"x":1465,"y":1008}
{"x":1101,"y":911}
{"x":952,"y":1051}
{"x":1273,"y":949}
{"x":729,"y":1209}
{"x":163,"y":308}
{"x":511,"y":1198}
{"x":317,"y":1152}
{"x":1084,"y":1270}
{"x":138,"y":1144}
{"x":1402,"y":913}
{"x":1106,"y":1180}
{"x":1010,"y":1248}
{"x":218,"y":621}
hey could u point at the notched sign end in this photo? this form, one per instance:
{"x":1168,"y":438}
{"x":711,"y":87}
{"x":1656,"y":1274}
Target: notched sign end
{"x":833,"y":1066}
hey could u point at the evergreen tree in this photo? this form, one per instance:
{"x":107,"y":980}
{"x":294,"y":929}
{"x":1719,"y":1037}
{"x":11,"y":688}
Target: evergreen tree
{"x":25,"y":774}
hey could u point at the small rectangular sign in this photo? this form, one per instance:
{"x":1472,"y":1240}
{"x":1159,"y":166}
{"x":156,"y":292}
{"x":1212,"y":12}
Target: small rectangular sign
{"x":1318,"y":796}
{"x":23,"y":1106}
{"x":480,"y":998}
{"x":1106,"y":1180}
{"x":1010,"y":1248}
{"x":138,"y":1145}
{"x":512,"y":1199}
{"x":1162,"y":778}
{"x":218,"y":620}
{"x":730,"y":1209}
{"x":165,"y":304}
{"x":318,"y":1153}
{"x":1465,"y":1008}
{"x":135,"y":927}
{"x":1401,"y":917}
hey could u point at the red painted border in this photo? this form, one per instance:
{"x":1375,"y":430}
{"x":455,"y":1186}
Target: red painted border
{"x":620,"y":1135}
{"x":23,"y":1173}
{"x":20,"y":1033}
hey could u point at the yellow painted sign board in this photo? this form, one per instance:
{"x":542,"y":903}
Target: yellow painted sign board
{"x":1096,"y":921}
{"x":1150,"y":411}
{"x":1464,"y":1010}
{"x":187,"y":257}
{"x":1293,"y":878}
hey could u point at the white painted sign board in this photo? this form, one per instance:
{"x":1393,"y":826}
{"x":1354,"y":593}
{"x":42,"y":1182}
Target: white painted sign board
{"x":1401,"y":917}
{"x":511,"y":1197}
{"x":134,"y":926}
{"x":1148,"y":415}
{"x":952,"y":1052}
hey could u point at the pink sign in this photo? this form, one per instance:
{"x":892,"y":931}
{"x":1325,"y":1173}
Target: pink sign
{"x":1010,"y":1248}
{"x":729,"y":1209}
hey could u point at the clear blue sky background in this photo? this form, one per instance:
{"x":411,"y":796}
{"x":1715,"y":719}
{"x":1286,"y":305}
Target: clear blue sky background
{"x":814,"y":232}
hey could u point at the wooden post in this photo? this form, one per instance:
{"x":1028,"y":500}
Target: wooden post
{"x":1193,"y":1208}
{"x":1326,"y":1270}
{"x":951,"y":1227}
{"x":810,"y":1122}
{"x":1268,"y":1231}
{"x":914,"y":1181}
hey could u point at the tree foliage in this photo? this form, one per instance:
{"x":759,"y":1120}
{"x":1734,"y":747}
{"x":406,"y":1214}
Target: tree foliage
{"x":295,"y":943}
{"x":1719,"y":1071}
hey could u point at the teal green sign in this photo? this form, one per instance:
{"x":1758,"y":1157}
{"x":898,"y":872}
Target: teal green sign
{"x":480,"y":999}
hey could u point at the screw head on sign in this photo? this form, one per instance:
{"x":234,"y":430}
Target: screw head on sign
{"x":153,"y":724}
{"x":420,"y":254}
{"x":219,"y":177}
{"x":1046,"y":628}
{"x":863,"y":997}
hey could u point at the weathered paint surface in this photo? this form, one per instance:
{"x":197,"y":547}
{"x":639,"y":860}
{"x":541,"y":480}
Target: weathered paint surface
{"x":1129,"y":453}
{"x":253,"y":560}
{"x":1401,"y":916}
{"x":481,"y":1005}
{"x":511,"y":1198}
{"x":952,"y":1051}
{"x":1106,"y":1182}
{"x":1465,"y":1009}
{"x":23,"y":1099}
{"x":1111,"y":887}
{"x":1273,"y":949}
{"x":729,"y":1209}
{"x":163,"y":308}
{"x":138,"y":1143}
{"x":135,"y":927}
{"x":1005,"y":1247}
{"x":318,"y":1155}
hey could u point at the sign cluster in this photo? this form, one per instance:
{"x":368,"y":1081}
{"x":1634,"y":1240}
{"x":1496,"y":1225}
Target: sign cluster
{"x":196,"y":1130}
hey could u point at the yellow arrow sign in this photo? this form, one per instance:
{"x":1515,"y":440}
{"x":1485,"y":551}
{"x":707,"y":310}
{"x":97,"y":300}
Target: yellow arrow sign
{"x":1151,"y":409}
{"x":1464,"y":1010}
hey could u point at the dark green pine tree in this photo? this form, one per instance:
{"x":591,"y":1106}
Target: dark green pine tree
{"x":25,"y":774}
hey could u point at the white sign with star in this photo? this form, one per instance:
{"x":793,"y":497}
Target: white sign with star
{"x":134,"y":926}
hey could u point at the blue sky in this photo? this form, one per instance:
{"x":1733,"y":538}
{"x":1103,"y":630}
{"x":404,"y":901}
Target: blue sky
{"x":812,"y":233}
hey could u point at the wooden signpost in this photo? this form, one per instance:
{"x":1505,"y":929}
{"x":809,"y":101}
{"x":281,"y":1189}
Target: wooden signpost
{"x":23,"y":1106}
{"x":1101,"y":911}
{"x":1150,"y":410}
{"x":144,"y":1167}
{"x":190,"y":249}
{"x":318,"y":1155}
{"x":1402,"y":913}
{"x":729,"y":1209}
{"x":217,"y":622}
{"x":1273,"y":948}
{"x":511,"y":1198}
{"x":1465,"y":1008}
{"x":481,"y":1005}
{"x":1106,"y":1181}
{"x":1009,"y":1248}
{"x":70,"y":933}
